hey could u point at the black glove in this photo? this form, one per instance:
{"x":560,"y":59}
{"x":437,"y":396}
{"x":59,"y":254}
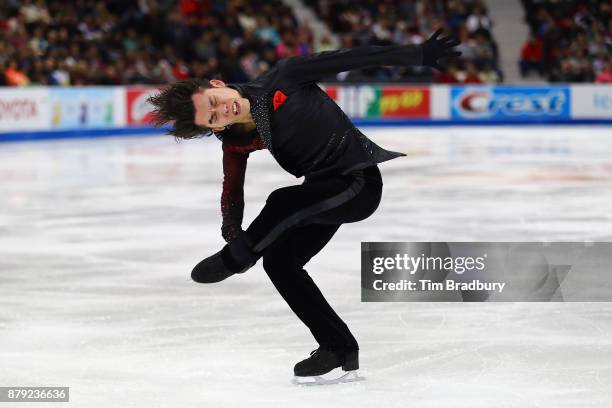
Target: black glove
{"x":435,"y":49}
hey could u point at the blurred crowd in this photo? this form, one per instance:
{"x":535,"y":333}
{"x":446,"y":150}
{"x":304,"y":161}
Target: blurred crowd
{"x":112,"y":42}
{"x":570,"y":41}
{"x":379,"y":22}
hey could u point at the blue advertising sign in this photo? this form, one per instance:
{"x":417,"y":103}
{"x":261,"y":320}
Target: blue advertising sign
{"x":75,"y":108}
{"x":508,"y":103}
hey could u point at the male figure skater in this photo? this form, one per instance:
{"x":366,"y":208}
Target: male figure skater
{"x":285,"y":112}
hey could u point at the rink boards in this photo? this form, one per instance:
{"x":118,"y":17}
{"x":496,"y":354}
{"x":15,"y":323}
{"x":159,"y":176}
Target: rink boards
{"x":50,"y":112}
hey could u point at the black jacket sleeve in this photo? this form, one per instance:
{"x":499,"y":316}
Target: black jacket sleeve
{"x":313,"y":67}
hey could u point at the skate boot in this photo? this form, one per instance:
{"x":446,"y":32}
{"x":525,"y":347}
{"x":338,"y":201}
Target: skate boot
{"x":320,"y":367}
{"x":235,"y":257}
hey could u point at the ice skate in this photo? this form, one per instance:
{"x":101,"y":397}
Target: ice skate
{"x":336,"y":376}
{"x":325,"y":367}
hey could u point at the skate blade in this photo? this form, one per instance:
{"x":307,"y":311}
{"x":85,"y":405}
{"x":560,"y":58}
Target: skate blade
{"x":333,"y":377}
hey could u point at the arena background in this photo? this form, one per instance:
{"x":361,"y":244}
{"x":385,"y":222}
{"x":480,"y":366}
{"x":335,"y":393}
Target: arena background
{"x":102,"y":217}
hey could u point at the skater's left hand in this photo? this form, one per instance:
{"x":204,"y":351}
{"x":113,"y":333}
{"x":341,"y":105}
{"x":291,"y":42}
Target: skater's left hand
{"x":435,"y":49}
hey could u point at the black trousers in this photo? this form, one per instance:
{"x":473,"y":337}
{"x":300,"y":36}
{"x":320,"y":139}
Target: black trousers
{"x":294,"y":225}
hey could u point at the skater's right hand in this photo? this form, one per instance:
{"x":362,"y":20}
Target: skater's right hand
{"x":435,"y":49}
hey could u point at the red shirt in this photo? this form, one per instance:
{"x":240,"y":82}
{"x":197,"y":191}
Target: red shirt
{"x":532,"y":51}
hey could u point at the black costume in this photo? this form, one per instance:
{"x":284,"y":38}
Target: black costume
{"x":308,"y":135}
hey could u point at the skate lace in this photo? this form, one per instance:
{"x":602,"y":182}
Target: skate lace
{"x":317,"y":353}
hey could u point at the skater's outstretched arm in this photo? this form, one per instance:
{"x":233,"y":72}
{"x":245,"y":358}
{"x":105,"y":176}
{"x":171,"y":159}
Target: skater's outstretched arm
{"x":314,"y":67}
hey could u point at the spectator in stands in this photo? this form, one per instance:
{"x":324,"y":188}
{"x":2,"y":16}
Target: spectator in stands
{"x":489,"y":75}
{"x":58,"y":73}
{"x":575,"y":68}
{"x":467,"y":46}
{"x":14,"y":76}
{"x":266,"y":31}
{"x":34,"y":12}
{"x":2,"y":76}
{"x":532,"y":56}
{"x":288,"y":46}
{"x":110,"y":76}
{"x":5,"y":51}
{"x":469,"y":75}
{"x":483,"y":48}
{"x":246,"y":18}
{"x":180,"y":71}
{"x":162,"y":72}
{"x":448,"y":76}
{"x":249,"y":63}
{"x":605,"y":76}
{"x":478,"y":20}
{"x":37,"y":72}
{"x":325,"y":44}
{"x":205,"y":47}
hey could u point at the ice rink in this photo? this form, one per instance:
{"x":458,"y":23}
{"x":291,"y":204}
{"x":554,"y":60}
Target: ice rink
{"x":98,"y":238}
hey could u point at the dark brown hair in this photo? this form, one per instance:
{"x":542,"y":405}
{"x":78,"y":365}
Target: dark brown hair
{"x":174,"y":104}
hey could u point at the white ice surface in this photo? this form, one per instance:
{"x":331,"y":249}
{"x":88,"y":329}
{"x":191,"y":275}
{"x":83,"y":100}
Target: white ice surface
{"x":97,"y":239}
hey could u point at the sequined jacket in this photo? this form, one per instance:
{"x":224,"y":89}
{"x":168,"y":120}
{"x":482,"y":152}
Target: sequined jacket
{"x":302,"y":127}
{"x":235,"y":155}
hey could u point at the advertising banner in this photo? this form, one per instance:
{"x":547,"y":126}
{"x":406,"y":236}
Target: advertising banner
{"x":24,"y":109}
{"x":591,"y":101}
{"x":382,"y":101}
{"x":508,"y":103}
{"x":355,"y":101}
{"x":404,"y":102}
{"x":87,"y":107}
{"x":60,"y":109}
{"x":138,"y":110}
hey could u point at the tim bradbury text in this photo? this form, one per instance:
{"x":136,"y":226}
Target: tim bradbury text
{"x":426,"y":284}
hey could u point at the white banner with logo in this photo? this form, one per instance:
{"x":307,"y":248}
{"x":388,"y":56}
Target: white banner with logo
{"x":591,"y":101}
{"x":24,"y":109}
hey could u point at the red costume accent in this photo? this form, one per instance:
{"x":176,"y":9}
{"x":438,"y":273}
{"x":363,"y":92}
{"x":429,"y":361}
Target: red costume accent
{"x":278,"y":99}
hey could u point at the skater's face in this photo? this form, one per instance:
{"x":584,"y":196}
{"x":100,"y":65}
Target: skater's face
{"x":220,"y":106}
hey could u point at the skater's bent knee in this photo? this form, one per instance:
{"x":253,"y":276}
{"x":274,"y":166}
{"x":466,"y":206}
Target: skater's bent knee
{"x":280,"y":265}
{"x":272,"y":263}
{"x":277,"y":262}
